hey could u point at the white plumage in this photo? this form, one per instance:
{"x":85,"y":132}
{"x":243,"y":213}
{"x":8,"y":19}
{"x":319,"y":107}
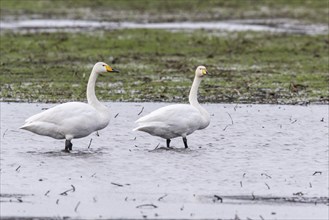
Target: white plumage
{"x":177,"y":120}
{"x":73,"y":119}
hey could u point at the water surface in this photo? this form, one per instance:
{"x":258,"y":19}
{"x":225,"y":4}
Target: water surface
{"x":252,"y":161}
{"x":267,"y":25}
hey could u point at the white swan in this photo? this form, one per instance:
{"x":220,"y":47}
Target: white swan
{"x":177,"y":120}
{"x":73,"y":119}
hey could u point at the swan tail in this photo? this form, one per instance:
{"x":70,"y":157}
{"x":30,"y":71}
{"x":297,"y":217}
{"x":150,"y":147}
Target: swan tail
{"x":43,"y":128}
{"x":138,"y":128}
{"x":25,"y":126}
{"x":148,"y":128}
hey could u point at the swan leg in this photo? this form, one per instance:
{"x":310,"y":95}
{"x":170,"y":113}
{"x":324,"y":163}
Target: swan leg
{"x":185,"y":142}
{"x":68,"y":146}
{"x":168,"y":143}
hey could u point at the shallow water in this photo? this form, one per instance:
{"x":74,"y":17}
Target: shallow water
{"x":269,"y":25}
{"x":255,"y":161}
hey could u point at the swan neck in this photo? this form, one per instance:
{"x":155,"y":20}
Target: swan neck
{"x":91,"y":96}
{"x":193,"y":97}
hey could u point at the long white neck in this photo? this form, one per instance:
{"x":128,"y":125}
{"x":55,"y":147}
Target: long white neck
{"x":193,"y":99}
{"x":91,"y":96}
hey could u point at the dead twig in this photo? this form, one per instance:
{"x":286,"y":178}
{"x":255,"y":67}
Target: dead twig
{"x":4,"y":133}
{"x":230,"y":118}
{"x":160,"y":198}
{"x":226,"y":127}
{"x":229,"y":124}
{"x":69,"y":190}
{"x":17,"y":169}
{"x":116,"y":115}
{"x":317,"y":172}
{"x":156,"y":146}
{"x":147,"y":206}
{"x":76,"y":207}
{"x":298,"y":194}
{"x":46,"y":194}
{"x":217,"y":198}
{"x":141,"y":111}
{"x":267,"y":185}
{"x":117,"y":184}
{"x":90,"y":142}
{"x":235,"y":107}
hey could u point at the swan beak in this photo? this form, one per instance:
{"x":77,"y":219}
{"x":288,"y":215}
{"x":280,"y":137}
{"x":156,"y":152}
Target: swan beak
{"x":109,"y":69}
{"x":205,"y":72}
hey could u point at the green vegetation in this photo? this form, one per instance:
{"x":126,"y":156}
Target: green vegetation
{"x":168,"y":10}
{"x":158,"y":65}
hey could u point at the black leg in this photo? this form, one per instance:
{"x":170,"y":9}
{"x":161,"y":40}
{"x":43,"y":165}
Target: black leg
{"x":68,"y":146}
{"x":168,"y":143}
{"x":185,"y":142}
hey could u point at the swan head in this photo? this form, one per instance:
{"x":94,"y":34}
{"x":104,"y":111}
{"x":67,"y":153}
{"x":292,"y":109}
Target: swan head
{"x":101,"y":67}
{"x":201,"y":71}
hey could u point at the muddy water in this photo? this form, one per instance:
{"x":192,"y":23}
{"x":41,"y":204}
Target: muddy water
{"x":255,"y":161}
{"x":269,"y":25}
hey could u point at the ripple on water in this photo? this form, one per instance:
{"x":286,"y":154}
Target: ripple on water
{"x":74,"y":153}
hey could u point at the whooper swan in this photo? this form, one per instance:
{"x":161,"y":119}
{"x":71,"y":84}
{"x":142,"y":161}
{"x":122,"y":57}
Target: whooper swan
{"x":73,"y":119}
{"x":178,"y":120}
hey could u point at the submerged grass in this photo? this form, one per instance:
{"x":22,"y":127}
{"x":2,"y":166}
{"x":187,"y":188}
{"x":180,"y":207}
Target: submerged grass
{"x":158,"y":65}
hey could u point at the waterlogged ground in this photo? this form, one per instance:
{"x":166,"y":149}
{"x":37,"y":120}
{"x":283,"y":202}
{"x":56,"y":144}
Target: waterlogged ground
{"x":253,"y":161}
{"x":272,"y":51}
{"x":269,"y":25}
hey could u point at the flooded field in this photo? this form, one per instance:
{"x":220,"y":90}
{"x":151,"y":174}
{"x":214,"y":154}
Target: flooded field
{"x":253,"y":161}
{"x":269,"y":25}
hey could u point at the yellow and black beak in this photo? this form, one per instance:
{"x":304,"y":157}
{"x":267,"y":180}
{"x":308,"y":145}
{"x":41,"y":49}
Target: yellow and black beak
{"x":205,"y":72}
{"x":110,"y":69}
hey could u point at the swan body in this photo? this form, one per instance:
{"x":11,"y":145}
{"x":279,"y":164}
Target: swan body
{"x":179,"y":120}
{"x":73,"y":119}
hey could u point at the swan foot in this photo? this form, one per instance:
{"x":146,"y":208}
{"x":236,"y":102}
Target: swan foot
{"x":168,"y":144}
{"x":185,"y":142}
{"x":68,"y":146}
{"x":66,"y":151}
